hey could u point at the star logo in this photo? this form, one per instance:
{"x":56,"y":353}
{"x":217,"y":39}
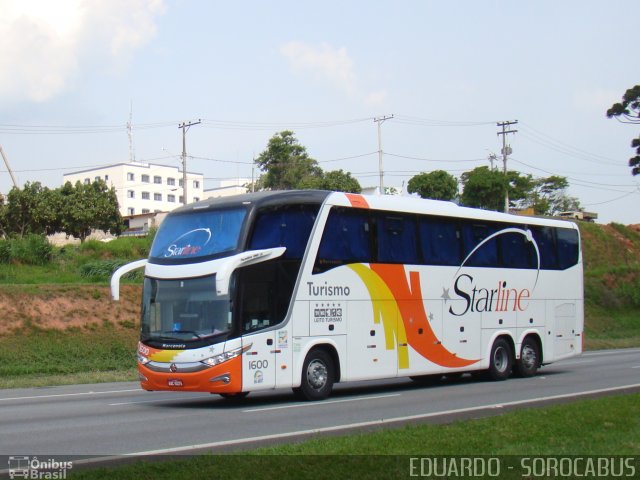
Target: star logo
{"x":445,"y":295}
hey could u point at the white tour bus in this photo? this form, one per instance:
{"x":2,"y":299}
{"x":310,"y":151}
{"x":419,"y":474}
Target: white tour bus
{"x":302,"y":289}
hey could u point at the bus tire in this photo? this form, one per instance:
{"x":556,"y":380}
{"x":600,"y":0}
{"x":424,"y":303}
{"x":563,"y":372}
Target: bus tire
{"x":529,"y":361}
{"x":501,"y":360}
{"x":318,"y":376}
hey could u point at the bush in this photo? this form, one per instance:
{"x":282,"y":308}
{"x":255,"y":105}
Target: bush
{"x":29,"y":250}
{"x":101,"y":270}
{"x":131,"y":248}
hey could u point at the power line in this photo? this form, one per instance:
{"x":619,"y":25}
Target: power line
{"x":434,"y":159}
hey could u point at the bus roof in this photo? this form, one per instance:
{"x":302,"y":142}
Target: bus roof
{"x":396,"y":203}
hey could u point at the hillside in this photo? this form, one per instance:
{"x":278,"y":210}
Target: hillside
{"x":71,"y":290}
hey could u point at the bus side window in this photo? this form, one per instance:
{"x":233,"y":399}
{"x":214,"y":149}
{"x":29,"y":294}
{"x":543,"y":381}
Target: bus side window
{"x":517,"y":251}
{"x":397,"y":239}
{"x":475,"y":234}
{"x":288,"y":227}
{"x":545,"y":238}
{"x":440,"y":241}
{"x":568,"y":248}
{"x":345,"y":239}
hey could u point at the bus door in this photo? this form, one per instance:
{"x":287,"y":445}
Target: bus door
{"x":259,"y":364}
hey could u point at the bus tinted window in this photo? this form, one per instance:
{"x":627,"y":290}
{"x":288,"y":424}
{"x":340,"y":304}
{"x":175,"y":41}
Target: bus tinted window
{"x":345,"y":239}
{"x":195,"y":235}
{"x":289,"y":226}
{"x":485,"y":252}
{"x":568,"y":247}
{"x":397,"y":239}
{"x":517,"y":251}
{"x":545,"y":239}
{"x":439,"y":241}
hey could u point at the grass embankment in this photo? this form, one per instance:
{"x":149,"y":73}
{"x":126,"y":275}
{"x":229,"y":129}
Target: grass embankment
{"x":605,"y":427}
{"x":59,"y":324}
{"x":612,"y":285}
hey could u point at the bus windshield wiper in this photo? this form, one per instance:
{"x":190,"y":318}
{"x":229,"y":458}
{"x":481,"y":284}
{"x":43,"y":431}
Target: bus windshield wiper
{"x":199,"y":337}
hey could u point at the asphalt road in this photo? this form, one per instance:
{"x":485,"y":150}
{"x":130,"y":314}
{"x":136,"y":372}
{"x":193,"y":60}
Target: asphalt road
{"x":120,"y":419}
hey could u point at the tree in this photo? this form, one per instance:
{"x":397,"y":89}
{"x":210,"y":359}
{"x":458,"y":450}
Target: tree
{"x":286,"y":163}
{"x":628,"y":111}
{"x":549,"y":196}
{"x":484,"y":188}
{"x":335,"y":180}
{"x":34,"y":209}
{"x":87,"y":207}
{"x":438,"y":185}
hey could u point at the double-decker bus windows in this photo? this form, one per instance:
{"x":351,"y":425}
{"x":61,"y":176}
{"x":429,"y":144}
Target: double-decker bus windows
{"x":545,"y":239}
{"x":288,"y":226}
{"x":440,"y":241}
{"x":266,"y":289}
{"x":480,"y":250}
{"x":516,"y":251}
{"x":397,"y":239}
{"x":345,"y":239}
{"x":568,"y":247}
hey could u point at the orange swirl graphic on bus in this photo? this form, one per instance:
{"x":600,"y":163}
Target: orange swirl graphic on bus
{"x":393,"y":298}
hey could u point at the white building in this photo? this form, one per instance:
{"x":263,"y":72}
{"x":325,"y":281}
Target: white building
{"x":143,"y":187}
{"x":227,"y":188}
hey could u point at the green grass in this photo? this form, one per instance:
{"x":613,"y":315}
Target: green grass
{"x":92,"y":261}
{"x":606,"y":426}
{"x":35,"y":357}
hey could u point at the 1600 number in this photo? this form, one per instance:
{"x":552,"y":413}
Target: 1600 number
{"x":258,"y":364}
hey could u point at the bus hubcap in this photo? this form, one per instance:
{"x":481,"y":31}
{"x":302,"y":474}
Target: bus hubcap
{"x":528,"y":357}
{"x":500,"y":359}
{"x":317,"y":374}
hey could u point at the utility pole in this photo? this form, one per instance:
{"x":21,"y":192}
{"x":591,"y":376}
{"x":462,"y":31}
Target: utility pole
{"x":6,"y":163}
{"x":185,"y":127}
{"x":379,"y":121}
{"x":506,"y":151}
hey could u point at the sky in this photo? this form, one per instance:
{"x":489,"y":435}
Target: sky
{"x":74,"y":73}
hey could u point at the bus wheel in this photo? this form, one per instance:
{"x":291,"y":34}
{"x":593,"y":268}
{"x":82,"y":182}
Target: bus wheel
{"x":529,"y":360}
{"x":317,"y":376}
{"x":234,"y":396}
{"x":501,"y":361}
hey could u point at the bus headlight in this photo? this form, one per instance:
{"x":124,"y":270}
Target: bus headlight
{"x":143,"y":360}
{"x":226,"y":356}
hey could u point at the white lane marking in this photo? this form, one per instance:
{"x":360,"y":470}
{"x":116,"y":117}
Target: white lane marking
{"x":637,"y":366}
{"x":621,"y":351}
{"x":70,"y":394}
{"x":316,"y":404}
{"x":383,"y":421}
{"x":577,"y":362}
{"x":170,"y":399}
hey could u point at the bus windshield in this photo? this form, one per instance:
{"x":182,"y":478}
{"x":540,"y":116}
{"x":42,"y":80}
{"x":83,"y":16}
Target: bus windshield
{"x":184,"y":310}
{"x":198,"y":234}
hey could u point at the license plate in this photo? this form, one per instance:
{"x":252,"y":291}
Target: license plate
{"x":175,"y":383}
